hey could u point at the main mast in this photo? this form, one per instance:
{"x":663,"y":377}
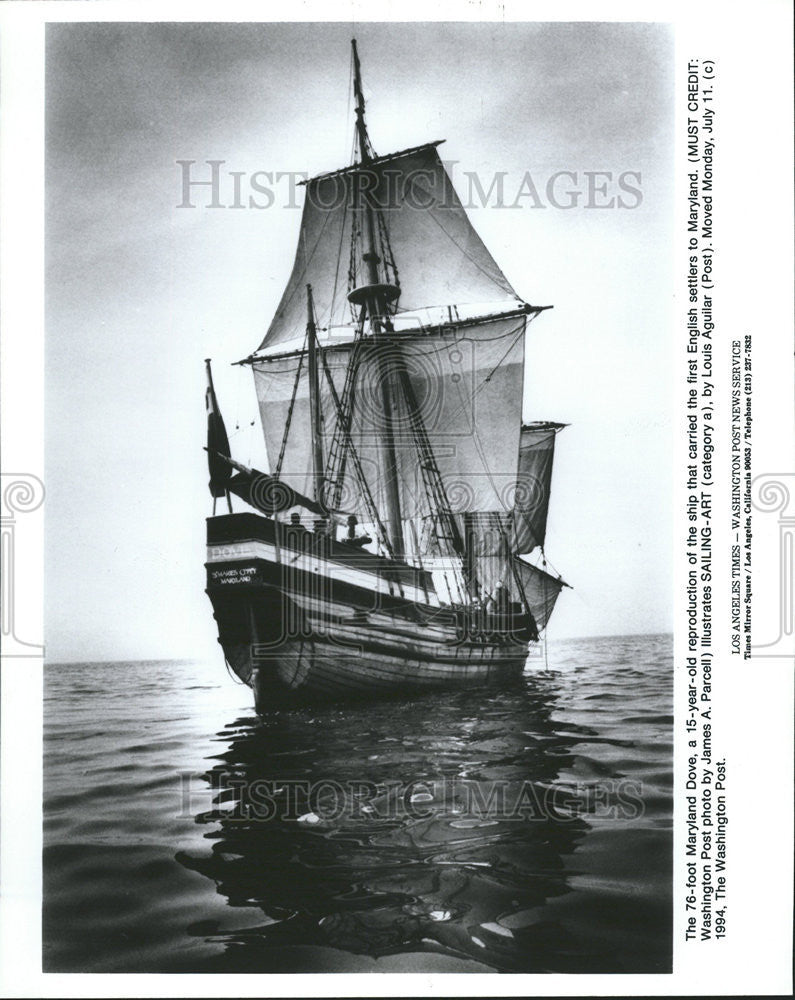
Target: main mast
{"x":374,"y":297}
{"x":373,"y":290}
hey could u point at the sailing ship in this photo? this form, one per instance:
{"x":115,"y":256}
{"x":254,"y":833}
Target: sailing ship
{"x":388,"y":547}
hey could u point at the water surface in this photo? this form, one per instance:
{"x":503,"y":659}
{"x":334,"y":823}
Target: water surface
{"x":520,"y":830}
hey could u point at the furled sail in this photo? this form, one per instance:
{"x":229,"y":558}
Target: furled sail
{"x":467,"y":383}
{"x":440,"y":259}
{"x":217,"y":441}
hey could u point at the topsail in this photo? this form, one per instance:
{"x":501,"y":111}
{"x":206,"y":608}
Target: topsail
{"x":436,"y":257}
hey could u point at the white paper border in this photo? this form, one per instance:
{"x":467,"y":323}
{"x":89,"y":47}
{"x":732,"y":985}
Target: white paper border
{"x":753,"y":47}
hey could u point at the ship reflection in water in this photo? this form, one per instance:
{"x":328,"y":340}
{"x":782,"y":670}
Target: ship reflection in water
{"x":462,"y":831}
{"x":525,"y":828}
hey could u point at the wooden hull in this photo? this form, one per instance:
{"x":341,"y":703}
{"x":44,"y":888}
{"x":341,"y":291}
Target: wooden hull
{"x":318,"y":668}
{"x":305,"y":625}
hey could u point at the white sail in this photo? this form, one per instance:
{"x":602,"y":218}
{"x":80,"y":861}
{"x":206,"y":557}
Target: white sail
{"x":537,"y":588}
{"x":439,"y":258}
{"x":533,"y":482}
{"x":467,"y":382}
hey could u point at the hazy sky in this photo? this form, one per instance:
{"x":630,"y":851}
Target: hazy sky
{"x":140,"y":291}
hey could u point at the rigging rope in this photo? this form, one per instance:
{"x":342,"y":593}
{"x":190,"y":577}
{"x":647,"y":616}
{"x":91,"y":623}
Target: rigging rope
{"x":432,"y":478}
{"x":337,"y":459}
{"x":337,"y":269}
{"x":372,"y":510}
{"x":466,"y":402}
{"x":289,"y":420}
{"x":546,"y":634}
{"x":355,"y":236}
{"x":387,"y":256}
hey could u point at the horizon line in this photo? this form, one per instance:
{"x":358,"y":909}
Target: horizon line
{"x":199,"y":659}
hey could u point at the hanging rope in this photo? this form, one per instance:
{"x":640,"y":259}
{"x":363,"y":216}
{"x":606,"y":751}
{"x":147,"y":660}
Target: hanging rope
{"x":336,"y":269}
{"x":467,"y":400}
{"x":432,"y":481}
{"x":387,"y":256}
{"x":289,"y":420}
{"x":355,"y":238}
{"x":337,"y":457}
{"x":372,"y":510}
{"x":546,"y":600}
